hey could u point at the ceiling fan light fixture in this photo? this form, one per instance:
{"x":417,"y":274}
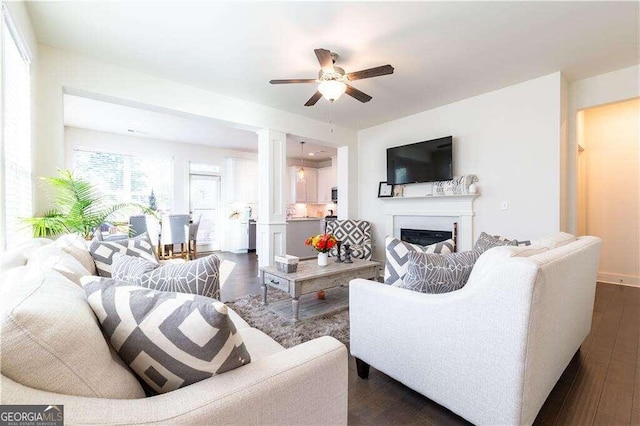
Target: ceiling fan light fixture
{"x":332,"y":89}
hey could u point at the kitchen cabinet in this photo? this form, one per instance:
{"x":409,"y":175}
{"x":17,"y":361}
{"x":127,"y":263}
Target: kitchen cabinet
{"x":238,"y":236}
{"x":326,"y":181}
{"x":298,"y":230}
{"x":243,"y":180}
{"x":305,"y":191}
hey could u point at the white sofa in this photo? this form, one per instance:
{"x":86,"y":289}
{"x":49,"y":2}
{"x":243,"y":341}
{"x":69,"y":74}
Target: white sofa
{"x":306,"y":384}
{"x":492,"y":351}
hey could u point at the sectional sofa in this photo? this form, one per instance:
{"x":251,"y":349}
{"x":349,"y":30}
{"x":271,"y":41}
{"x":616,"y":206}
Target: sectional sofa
{"x":53,"y":352}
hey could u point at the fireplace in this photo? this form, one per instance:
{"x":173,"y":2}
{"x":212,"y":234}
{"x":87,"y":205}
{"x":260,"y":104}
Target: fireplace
{"x":424,"y":237}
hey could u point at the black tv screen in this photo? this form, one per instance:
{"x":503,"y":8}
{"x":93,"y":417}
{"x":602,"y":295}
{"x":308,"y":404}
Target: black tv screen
{"x":427,"y":161}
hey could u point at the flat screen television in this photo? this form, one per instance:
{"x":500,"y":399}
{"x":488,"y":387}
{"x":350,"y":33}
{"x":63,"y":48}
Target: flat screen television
{"x":427,"y":161}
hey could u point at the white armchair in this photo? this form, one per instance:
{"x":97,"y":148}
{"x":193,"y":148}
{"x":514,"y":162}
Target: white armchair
{"x":492,"y":351}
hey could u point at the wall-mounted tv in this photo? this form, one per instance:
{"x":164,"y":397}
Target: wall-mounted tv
{"x":427,"y":161}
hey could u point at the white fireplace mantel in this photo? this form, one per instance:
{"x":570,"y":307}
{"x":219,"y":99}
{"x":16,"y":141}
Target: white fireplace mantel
{"x":457,"y":207}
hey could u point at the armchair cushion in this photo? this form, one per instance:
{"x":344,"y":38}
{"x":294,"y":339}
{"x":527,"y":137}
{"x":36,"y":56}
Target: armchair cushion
{"x":397,"y":251}
{"x":103,"y":251}
{"x":170,"y":340}
{"x":438,"y":273}
{"x":200,"y":276}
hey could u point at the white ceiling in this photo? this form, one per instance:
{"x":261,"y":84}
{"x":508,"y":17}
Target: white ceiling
{"x":92,"y":114}
{"x":442,"y":51}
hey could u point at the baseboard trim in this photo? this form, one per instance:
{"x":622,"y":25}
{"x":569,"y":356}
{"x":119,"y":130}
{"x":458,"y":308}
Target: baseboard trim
{"x":619,"y":279}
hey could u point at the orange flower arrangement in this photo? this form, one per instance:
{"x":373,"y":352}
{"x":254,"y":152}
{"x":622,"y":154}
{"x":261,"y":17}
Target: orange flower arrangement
{"x":322,"y":242}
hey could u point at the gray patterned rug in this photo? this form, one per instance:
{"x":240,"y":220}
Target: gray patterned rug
{"x":282,"y":330}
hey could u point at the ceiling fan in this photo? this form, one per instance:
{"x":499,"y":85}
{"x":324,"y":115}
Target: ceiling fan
{"x":333,"y":80}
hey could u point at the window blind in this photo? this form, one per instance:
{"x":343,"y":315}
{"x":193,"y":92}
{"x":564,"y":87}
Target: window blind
{"x":127,"y":178}
{"x":16,"y":135}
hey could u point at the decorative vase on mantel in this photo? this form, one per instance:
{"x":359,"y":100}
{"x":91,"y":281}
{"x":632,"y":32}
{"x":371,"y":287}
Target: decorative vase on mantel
{"x":323,"y":259}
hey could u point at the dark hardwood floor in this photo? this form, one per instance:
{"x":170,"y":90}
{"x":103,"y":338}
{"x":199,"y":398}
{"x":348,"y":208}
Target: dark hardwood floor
{"x":601,"y":385}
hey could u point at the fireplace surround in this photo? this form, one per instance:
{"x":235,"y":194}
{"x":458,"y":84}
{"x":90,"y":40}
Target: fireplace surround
{"x":432,"y":213}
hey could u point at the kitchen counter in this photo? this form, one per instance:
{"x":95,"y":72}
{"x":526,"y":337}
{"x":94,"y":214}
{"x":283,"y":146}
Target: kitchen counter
{"x":298,"y":230}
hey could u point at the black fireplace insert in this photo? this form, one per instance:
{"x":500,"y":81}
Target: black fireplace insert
{"x":424,"y":237}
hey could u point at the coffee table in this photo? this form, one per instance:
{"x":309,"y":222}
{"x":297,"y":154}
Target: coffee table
{"x":310,"y":278}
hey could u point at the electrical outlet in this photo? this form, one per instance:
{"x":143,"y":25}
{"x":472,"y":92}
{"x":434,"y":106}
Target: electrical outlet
{"x":504,"y":205}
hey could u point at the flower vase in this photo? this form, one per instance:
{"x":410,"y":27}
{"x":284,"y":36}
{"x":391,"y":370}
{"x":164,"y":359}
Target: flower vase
{"x":323,"y":259}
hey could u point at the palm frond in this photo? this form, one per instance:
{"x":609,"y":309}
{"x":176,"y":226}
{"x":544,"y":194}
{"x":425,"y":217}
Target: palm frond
{"x":50,"y":224}
{"x":79,"y":207}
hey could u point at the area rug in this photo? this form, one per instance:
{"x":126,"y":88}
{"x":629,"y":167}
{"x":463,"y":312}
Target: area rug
{"x":284,"y":331}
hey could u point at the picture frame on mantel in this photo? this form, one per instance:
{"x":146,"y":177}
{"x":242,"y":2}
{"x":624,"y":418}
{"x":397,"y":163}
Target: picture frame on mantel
{"x":385,"y":190}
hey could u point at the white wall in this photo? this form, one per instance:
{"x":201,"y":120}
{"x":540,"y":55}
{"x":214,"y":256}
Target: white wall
{"x":611,"y":136}
{"x":59,"y":71}
{"x":602,"y":89}
{"x":509,"y":138}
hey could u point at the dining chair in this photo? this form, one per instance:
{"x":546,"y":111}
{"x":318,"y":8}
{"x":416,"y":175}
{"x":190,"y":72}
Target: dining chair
{"x":140,"y":224}
{"x":174,"y":231}
{"x":193,"y":235}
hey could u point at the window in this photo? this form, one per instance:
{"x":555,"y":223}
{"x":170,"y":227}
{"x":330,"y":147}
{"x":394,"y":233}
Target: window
{"x":16,"y":188}
{"x":127,"y":178}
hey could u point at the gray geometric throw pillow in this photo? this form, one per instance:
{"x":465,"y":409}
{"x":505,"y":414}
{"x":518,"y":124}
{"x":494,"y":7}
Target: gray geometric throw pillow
{"x":170,"y":340}
{"x":486,"y":241}
{"x":200,"y":276}
{"x":130,"y":268}
{"x":397,"y":259}
{"x":439,"y":273}
{"x":102,"y":251}
{"x":519,"y":243}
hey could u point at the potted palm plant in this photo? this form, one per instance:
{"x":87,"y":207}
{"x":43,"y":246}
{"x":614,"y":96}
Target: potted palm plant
{"x":77,"y":207}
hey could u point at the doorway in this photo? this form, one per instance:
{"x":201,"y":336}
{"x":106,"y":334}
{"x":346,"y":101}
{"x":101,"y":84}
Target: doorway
{"x":609,"y":187}
{"x":204,"y":200}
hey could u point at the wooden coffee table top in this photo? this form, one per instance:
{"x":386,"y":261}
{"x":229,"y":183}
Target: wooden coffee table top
{"x":310,"y":278}
{"x":308,"y":269}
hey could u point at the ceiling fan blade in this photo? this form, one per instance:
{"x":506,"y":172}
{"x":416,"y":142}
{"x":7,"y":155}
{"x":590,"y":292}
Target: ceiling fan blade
{"x":355,"y":93}
{"x":371,"y":72}
{"x":324,"y":57}
{"x":315,"y":98}
{"x":293,"y":80}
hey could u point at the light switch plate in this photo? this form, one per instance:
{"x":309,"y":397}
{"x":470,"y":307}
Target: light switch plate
{"x":504,"y":205}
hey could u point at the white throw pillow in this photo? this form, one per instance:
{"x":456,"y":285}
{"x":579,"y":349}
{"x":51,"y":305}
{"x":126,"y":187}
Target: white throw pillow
{"x":55,"y":258}
{"x":77,"y":247}
{"x":51,"y":341}
{"x":556,"y":240}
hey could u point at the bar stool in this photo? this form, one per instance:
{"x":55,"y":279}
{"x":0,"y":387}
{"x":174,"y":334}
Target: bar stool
{"x":174,"y":230}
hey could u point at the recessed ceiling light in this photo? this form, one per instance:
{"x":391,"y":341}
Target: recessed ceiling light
{"x":311,"y":154}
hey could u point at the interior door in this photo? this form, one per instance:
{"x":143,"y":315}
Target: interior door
{"x":204,"y":198}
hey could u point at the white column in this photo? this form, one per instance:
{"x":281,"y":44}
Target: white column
{"x":347,"y":182}
{"x":272,"y":224}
